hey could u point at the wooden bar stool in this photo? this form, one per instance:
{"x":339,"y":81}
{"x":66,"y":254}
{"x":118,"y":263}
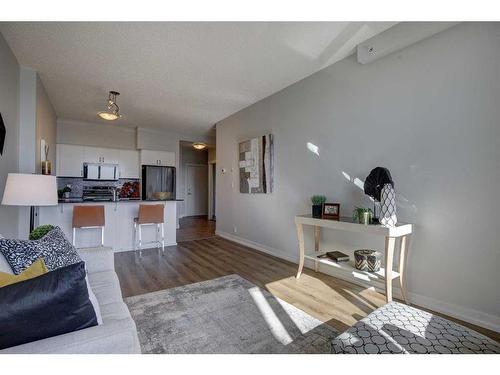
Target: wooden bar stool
{"x":150,"y":214}
{"x":88,"y":217}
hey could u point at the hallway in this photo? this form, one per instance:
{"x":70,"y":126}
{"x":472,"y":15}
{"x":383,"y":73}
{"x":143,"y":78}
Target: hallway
{"x":195,"y":228}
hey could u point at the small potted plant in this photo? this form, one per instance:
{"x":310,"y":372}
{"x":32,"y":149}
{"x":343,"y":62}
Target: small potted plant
{"x":66,"y":190}
{"x":362,"y":215}
{"x":317,"y":205}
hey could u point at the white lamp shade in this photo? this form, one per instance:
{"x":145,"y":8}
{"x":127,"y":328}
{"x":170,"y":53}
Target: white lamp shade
{"x":30,"y":190}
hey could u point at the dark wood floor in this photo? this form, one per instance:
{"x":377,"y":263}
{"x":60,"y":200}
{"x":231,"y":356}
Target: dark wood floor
{"x":195,"y":228}
{"x":331,"y":300}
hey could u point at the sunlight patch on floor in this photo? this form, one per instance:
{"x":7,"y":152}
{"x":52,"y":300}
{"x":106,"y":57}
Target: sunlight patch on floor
{"x":272,"y":320}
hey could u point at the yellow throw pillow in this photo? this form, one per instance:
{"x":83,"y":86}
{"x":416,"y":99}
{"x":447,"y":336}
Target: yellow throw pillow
{"x":37,"y":268}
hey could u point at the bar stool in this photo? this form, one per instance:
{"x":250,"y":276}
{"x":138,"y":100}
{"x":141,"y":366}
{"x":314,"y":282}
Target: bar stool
{"x":88,"y":217}
{"x":150,"y":214}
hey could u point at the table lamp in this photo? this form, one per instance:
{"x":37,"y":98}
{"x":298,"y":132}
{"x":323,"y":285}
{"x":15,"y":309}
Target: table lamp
{"x":30,"y":190}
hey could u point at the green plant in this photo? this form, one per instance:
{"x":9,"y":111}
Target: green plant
{"x":318,"y":200}
{"x":358,"y":213}
{"x":66,"y":189}
{"x":40,"y":231}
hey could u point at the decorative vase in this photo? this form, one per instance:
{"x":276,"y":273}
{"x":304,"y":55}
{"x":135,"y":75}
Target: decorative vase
{"x":317,"y":210}
{"x":388,"y":206}
{"x":365,"y":218}
{"x":66,"y":194}
{"x":367,"y":260}
{"x":46,"y":167}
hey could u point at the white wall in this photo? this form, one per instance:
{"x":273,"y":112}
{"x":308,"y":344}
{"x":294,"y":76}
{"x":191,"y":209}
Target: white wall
{"x":46,"y":126}
{"x":9,"y":108}
{"x":93,"y":134}
{"x":430,"y":113}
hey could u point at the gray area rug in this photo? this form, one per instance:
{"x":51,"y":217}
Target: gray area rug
{"x":225,"y":315}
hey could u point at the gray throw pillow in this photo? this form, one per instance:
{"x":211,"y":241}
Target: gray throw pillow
{"x":54,"y":248}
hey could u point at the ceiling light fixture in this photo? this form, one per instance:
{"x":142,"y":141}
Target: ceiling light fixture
{"x":199,"y":145}
{"x":113,"y":112}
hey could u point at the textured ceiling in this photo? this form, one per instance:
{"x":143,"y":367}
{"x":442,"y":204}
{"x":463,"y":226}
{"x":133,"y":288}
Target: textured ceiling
{"x":176,"y":75}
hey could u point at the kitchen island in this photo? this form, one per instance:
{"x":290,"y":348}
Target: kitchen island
{"x":119,"y":228}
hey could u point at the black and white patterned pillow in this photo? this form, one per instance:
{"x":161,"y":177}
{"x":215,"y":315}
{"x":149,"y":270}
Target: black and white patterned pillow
{"x":398,"y":328}
{"x":54,"y":248}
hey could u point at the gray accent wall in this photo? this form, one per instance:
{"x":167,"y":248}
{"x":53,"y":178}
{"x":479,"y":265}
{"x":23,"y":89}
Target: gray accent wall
{"x":431,"y":114}
{"x":9,"y":107}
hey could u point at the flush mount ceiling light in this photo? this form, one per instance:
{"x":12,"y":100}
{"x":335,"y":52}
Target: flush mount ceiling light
{"x":113,"y":112}
{"x":199,"y":145}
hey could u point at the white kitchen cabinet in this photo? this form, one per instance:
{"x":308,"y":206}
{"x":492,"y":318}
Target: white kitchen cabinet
{"x":69,"y":160}
{"x":101,"y":155}
{"x":165,"y":158}
{"x":129,"y":163}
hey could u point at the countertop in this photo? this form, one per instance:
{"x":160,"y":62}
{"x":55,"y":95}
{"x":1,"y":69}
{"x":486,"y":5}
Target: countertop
{"x":80,"y":200}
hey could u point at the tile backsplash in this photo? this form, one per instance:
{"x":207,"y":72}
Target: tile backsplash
{"x":77,"y":184}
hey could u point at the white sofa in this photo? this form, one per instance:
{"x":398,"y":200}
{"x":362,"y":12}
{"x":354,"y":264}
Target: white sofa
{"x":117,"y":334}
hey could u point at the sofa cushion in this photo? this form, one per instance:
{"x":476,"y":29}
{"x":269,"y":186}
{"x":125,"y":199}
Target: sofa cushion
{"x":54,"y":248}
{"x":114,"y":311}
{"x":106,"y":287}
{"x":48,"y":305}
{"x":4,"y":265}
{"x":398,"y":328}
{"x":94,"y":301}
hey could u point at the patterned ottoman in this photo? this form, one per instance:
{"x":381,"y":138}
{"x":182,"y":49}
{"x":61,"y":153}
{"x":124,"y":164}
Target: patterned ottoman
{"x":397,"y":328}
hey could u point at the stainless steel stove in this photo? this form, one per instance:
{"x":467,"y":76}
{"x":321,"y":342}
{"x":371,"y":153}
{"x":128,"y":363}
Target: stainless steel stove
{"x":98,"y":193}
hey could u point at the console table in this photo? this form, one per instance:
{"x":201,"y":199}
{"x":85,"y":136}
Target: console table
{"x":382,"y":278}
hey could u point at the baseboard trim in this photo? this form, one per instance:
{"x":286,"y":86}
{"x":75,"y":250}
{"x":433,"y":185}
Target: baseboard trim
{"x":254,"y":245}
{"x":466,"y":314}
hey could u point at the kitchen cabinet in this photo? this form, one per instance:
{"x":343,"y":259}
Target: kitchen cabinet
{"x":69,"y":160}
{"x":101,"y":155}
{"x":129,"y":163}
{"x":165,"y":158}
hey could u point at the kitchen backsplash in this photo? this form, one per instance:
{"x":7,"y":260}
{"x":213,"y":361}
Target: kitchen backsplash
{"x":77,"y":184}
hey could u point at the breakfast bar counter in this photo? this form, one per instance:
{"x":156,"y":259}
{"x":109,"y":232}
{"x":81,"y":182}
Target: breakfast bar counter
{"x":119,"y":226}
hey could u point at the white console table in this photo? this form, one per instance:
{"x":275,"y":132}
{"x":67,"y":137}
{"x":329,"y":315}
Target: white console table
{"x":386,"y":274}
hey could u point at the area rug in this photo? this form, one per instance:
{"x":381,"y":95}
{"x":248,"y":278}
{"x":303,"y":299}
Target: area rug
{"x":225,"y":315}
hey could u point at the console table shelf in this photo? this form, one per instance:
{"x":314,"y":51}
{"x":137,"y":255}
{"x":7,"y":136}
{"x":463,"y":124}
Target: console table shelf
{"x":347,"y":269}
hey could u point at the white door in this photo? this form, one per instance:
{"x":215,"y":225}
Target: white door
{"x":69,"y":160}
{"x":196,"y":190}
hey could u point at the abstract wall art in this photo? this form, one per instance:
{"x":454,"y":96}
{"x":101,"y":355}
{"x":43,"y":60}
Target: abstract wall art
{"x":256,"y":164}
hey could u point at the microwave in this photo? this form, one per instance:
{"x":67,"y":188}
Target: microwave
{"x":101,"y":172}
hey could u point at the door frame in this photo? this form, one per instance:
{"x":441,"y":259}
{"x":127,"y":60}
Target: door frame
{"x":186,"y":182}
{"x":212,"y":169}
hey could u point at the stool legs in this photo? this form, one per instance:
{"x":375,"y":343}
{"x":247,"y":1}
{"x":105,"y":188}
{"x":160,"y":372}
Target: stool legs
{"x":162,"y":238}
{"x":138,"y":236}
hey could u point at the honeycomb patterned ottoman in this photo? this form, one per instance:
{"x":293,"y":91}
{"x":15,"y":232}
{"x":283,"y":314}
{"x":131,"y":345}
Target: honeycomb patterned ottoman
{"x":398,"y":328}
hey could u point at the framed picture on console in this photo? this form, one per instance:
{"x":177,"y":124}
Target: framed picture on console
{"x":331,"y":211}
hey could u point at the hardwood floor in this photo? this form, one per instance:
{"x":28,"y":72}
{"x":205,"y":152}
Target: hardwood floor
{"x":195,"y":228}
{"x":336,"y":302}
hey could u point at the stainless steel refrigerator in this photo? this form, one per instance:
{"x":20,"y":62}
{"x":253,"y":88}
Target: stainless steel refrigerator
{"x":158,"y":183}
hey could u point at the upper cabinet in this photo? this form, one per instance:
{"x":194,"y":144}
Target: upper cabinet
{"x":101,"y":155}
{"x":70,"y":159}
{"x":129,"y":163}
{"x":165,"y":158}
